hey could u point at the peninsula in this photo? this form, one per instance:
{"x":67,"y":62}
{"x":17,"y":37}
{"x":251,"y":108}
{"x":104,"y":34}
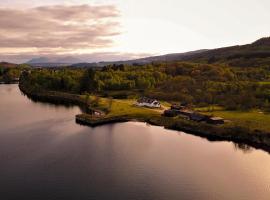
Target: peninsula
{"x":110,"y":94}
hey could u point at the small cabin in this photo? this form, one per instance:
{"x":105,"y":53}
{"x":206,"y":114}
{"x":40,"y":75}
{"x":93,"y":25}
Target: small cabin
{"x":198,"y":117}
{"x":216,"y":120}
{"x":194,"y":116}
{"x":177,"y":107}
{"x":186,"y":112}
{"x":171,"y":113}
{"x":148,"y":102}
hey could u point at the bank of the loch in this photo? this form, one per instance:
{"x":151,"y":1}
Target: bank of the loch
{"x":124,"y":110}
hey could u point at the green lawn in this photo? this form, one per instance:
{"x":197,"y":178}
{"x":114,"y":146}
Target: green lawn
{"x":120,"y":107}
{"x":127,"y":107}
{"x":251,"y":119}
{"x":264,"y":83}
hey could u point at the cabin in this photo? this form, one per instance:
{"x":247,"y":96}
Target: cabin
{"x":186,"y":112}
{"x":177,"y":107}
{"x":182,"y":111}
{"x":192,"y":115}
{"x":198,"y":117}
{"x":148,"y":102}
{"x":171,"y":113}
{"x":215,"y":120}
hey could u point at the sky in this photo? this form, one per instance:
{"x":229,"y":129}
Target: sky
{"x":104,"y":30}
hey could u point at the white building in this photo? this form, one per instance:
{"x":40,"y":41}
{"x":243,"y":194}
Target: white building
{"x":147,"y":102}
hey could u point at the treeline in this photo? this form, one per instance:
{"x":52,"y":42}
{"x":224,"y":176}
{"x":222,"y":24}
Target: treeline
{"x":8,"y":75}
{"x":198,"y":84}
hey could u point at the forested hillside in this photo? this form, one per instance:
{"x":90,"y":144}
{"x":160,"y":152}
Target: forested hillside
{"x":193,"y":83}
{"x":256,"y":54}
{"x":9,"y":72}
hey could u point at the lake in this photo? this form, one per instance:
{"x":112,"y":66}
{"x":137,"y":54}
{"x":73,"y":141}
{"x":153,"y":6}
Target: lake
{"x":44,"y":154}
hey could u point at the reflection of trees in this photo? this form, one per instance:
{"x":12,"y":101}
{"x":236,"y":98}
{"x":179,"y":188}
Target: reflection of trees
{"x":243,"y":147}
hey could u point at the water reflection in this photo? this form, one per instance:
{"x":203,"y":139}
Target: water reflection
{"x":44,"y":154}
{"x":243,"y":147}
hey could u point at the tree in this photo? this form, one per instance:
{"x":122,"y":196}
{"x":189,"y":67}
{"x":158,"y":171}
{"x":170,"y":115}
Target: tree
{"x":1,"y":71}
{"x":88,"y":82}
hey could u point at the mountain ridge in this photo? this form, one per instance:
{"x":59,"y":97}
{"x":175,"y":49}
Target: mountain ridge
{"x":253,"y":54}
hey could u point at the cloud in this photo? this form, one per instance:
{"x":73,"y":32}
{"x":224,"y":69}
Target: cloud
{"x":58,"y":28}
{"x":59,"y":31}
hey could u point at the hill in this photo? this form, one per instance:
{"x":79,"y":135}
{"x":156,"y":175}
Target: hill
{"x":7,"y":65}
{"x":256,"y":54}
{"x":141,"y":61}
{"x":250,"y":55}
{"x":53,"y":62}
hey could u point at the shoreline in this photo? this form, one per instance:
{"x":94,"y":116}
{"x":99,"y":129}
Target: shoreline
{"x":9,"y":82}
{"x":238,"y":134}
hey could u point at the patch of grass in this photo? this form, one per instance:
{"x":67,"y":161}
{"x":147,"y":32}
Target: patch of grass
{"x":209,"y":108}
{"x":264,"y":83}
{"x":254,"y":120}
{"x":127,"y":107}
{"x":121,"y":107}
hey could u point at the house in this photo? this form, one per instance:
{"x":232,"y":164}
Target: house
{"x":194,"y":116}
{"x":177,"y":107}
{"x":178,"y":110}
{"x":215,"y":120}
{"x":186,"y":112}
{"x":198,"y":117}
{"x":147,"y":102}
{"x":171,"y":113}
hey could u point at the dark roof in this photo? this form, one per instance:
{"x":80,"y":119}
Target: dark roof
{"x":198,"y":117}
{"x":171,"y":113}
{"x":177,"y":107}
{"x":187,"y":112}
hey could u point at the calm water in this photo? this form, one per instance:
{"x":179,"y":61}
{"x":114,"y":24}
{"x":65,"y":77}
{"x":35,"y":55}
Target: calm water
{"x":44,"y":154}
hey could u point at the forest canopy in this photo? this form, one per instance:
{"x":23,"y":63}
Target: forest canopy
{"x":193,"y":83}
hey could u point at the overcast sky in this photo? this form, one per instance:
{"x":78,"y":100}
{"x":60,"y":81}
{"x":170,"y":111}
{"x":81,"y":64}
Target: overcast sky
{"x":122,"y":29}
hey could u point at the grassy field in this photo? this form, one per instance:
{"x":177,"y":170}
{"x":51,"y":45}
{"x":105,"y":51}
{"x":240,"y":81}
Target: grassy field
{"x":120,"y":107}
{"x":251,"y":119}
{"x":264,"y":83}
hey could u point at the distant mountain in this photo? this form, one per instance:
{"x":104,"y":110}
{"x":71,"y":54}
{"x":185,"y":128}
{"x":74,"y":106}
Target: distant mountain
{"x":53,"y":62}
{"x":262,"y":42}
{"x":254,"y":54}
{"x":39,"y":60}
{"x":141,"y":61}
{"x":7,"y":65}
{"x":169,"y":57}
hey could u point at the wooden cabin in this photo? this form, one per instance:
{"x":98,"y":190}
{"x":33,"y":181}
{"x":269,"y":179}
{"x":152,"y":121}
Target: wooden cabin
{"x":186,"y":112}
{"x":198,"y":117}
{"x":171,"y":113}
{"x":177,"y":107}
